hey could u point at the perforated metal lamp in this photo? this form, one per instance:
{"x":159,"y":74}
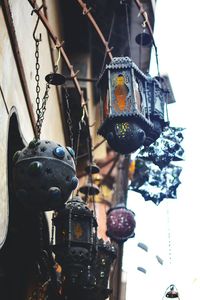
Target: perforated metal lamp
{"x":120,"y":223}
{"x":75,"y":246}
{"x":44,"y":175}
{"x":125,"y":106}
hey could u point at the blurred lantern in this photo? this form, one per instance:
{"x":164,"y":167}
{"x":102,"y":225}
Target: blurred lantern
{"x":165,"y":149}
{"x":90,"y":188}
{"x":157,"y":105}
{"x":44,"y":175}
{"x":120,"y":223}
{"x":125,"y":106}
{"x":75,"y":246}
{"x":144,"y":39}
{"x":171,"y":292}
{"x":161,"y":184}
{"x":106,"y":254}
{"x":140,"y":175}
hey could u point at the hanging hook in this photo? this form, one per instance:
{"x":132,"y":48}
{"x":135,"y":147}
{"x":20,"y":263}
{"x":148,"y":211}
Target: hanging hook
{"x":58,"y":46}
{"x":36,"y":25}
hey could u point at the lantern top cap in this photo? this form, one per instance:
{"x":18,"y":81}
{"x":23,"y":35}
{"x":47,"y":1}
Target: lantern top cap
{"x":77,"y":206}
{"x":125,"y":62}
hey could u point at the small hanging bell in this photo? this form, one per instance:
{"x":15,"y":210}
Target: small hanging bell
{"x":55,"y":79}
{"x":143,"y":39}
{"x":90,"y":189}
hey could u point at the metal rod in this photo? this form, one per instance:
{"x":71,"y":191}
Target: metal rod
{"x":86,"y":12}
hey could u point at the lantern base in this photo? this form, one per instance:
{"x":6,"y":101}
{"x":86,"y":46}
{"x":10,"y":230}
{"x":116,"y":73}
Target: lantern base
{"x":125,"y":134}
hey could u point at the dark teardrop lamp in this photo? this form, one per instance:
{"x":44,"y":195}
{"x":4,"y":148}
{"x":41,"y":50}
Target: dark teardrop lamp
{"x":44,"y":175}
{"x":128,"y":97}
{"x":120,"y":223}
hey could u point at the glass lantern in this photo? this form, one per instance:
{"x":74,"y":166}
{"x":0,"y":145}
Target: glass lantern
{"x":125,"y":104}
{"x":75,"y":237}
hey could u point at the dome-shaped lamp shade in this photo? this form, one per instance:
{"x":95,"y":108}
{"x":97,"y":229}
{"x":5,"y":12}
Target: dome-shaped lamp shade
{"x":44,"y":175}
{"x":144,"y":39}
{"x":120,"y":223}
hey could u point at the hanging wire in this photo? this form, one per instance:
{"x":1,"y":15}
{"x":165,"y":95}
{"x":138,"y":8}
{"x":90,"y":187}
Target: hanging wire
{"x":69,"y":119}
{"x":109,"y":37}
{"x":169,"y":239}
{"x":143,"y":12}
{"x":128,"y":29}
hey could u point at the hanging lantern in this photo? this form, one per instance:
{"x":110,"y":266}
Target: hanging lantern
{"x":125,"y":125}
{"x":75,"y":238}
{"x":172,"y":292}
{"x":158,"y":184}
{"x":106,"y":254}
{"x":120,"y":223}
{"x":157,"y":102}
{"x":44,"y":175}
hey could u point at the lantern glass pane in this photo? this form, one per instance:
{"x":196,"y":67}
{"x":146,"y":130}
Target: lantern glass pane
{"x":121,"y":91}
{"x":80,"y":230}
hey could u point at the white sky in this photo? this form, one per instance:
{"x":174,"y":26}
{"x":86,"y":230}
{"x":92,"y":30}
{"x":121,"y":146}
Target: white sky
{"x":177,"y":36}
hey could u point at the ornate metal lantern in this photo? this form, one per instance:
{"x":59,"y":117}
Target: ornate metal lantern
{"x":75,"y":246}
{"x":120,"y":223}
{"x":44,"y":175}
{"x":125,"y":112}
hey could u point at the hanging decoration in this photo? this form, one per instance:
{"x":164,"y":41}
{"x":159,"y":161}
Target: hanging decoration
{"x":120,"y":223}
{"x":161,"y":184}
{"x":101,"y":266}
{"x":44,"y":175}
{"x":75,"y":239}
{"x":133,"y":106}
{"x":44,"y":171}
{"x":144,"y":39}
{"x":90,"y":189}
{"x":166,"y":148}
{"x":56,"y":78}
{"x":172,"y":292}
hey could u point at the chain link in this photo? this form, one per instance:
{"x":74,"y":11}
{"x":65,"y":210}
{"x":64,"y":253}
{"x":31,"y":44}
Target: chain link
{"x":39,"y":110}
{"x":69,"y":119}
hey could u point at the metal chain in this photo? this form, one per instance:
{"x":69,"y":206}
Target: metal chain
{"x":69,"y":119}
{"x":39,"y":110}
{"x":37,"y":79}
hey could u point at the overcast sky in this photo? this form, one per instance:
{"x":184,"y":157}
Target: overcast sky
{"x":177,"y":38}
